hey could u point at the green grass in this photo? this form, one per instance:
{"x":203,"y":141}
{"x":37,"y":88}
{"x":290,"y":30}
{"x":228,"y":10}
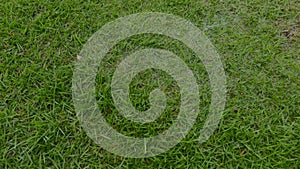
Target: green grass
{"x":259,"y":42}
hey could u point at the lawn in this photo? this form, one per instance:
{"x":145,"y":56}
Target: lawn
{"x":259,"y":45}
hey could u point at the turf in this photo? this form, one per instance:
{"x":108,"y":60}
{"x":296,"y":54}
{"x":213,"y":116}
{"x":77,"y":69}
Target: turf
{"x":258,"y":41}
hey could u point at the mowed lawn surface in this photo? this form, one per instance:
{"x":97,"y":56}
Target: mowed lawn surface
{"x":258,"y":41}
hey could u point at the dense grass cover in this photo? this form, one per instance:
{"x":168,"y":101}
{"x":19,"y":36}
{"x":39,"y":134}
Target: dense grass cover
{"x":258,"y":40}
